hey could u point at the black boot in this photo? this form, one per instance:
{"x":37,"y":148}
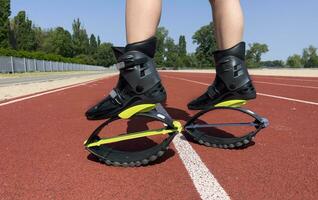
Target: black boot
{"x":232,"y":80}
{"x":139,"y":81}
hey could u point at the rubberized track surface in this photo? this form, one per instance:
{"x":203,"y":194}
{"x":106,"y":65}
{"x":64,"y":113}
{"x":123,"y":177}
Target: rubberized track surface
{"x":42,"y":154}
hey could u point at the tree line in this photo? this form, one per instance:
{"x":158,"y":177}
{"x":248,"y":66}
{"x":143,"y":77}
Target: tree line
{"x":20,"y":37}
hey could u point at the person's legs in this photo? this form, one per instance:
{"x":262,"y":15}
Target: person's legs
{"x":232,"y":80}
{"x":139,"y":81}
{"x":228,"y":21}
{"x":142,"y":19}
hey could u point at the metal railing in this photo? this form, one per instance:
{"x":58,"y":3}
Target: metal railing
{"x":9,"y":64}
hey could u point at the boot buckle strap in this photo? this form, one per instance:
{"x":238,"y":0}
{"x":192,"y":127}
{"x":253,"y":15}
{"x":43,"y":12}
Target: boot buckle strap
{"x":116,"y":96}
{"x":129,"y":63}
{"x":212,"y":91}
{"x":120,"y":65}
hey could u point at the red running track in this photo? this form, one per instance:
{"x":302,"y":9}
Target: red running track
{"x":42,"y":154}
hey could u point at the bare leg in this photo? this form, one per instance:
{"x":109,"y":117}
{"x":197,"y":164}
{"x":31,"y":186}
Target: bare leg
{"x":228,"y":21}
{"x":232,"y":80}
{"x":142,"y":19}
{"x":139,"y":81}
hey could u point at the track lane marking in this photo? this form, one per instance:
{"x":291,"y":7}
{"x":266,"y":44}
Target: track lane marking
{"x":205,"y":183}
{"x":288,"y":85}
{"x":289,"y":99}
{"x":261,"y":94}
{"x":289,"y":78}
{"x":281,"y":84}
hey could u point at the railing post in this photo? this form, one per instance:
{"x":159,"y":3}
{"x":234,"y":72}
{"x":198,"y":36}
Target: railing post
{"x":51,"y":66}
{"x":35,"y":65}
{"x":43,"y":66}
{"x":12,"y":65}
{"x":24,"y":64}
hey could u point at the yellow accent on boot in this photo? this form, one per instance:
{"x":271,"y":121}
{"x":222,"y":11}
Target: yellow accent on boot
{"x":231,"y":103}
{"x":131,"y":136}
{"x":126,"y":114}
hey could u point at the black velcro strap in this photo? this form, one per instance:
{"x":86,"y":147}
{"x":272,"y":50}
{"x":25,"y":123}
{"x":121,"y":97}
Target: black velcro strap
{"x":212,"y":91}
{"x":130,"y":62}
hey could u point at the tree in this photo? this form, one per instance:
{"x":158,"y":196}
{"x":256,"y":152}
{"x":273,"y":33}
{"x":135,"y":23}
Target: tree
{"x":182,"y":52}
{"x":40,"y":37}
{"x":161,"y":36}
{"x":273,"y":63}
{"x":253,"y":55}
{"x":80,"y":38}
{"x":191,"y":61}
{"x":4,"y":23}
{"x":205,"y":39}
{"x":171,"y":54}
{"x":294,"y":61}
{"x":24,"y":35}
{"x":87,"y":59}
{"x":59,"y":41}
{"x":98,"y":41}
{"x":182,"y":46}
{"x":104,"y":55}
{"x":310,"y":57}
{"x":92,"y":44}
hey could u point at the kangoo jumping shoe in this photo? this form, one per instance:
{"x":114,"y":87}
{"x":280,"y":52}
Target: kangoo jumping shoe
{"x":231,"y":89}
{"x":134,"y":101}
{"x":232,"y":85}
{"x":139,"y":81}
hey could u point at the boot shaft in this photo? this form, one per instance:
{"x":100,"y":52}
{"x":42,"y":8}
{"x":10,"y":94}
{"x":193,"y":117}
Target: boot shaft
{"x":136,"y":65}
{"x":237,"y":51}
{"x":147,"y":47}
{"x":230,"y":66}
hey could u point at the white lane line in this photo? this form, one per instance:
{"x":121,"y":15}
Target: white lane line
{"x":289,"y":99}
{"x":282,"y":84}
{"x":204,"y":181}
{"x":261,"y":94}
{"x":287,"y":79}
{"x":48,"y":92}
{"x":255,"y":76}
{"x":289,"y":85}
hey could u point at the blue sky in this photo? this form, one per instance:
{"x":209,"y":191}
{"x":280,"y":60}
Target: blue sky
{"x":287,"y":26}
